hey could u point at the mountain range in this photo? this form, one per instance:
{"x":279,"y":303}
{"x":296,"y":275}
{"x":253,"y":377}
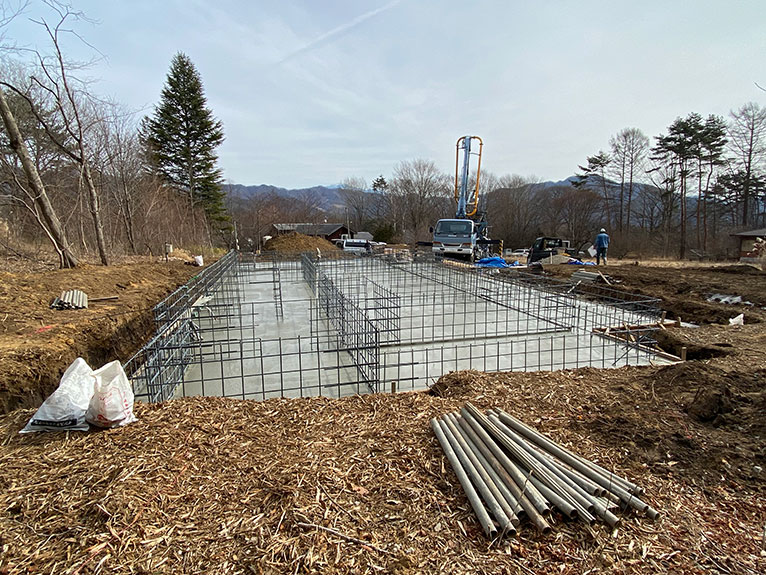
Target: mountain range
{"x":326,"y":198}
{"x":330,"y":198}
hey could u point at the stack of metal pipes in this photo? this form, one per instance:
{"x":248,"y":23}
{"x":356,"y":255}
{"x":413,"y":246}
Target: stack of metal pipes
{"x":509,"y":471}
{"x":71,"y":299}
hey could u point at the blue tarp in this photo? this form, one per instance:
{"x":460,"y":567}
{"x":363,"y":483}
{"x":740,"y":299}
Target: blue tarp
{"x":576,"y":262}
{"x":495,"y":262}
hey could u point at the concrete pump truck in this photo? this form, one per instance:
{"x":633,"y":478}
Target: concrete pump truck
{"x":465,"y":235}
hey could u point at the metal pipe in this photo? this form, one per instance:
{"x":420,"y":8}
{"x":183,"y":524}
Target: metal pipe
{"x":564,"y":506}
{"x":627,"y":497}
{"x":485,"y":475}
{"x":499,"y":480}
{"x":478,"y":481}
{"x":492,"y":437}
{"x":549,"y":461}
{"x":560,"y":478}
{"x":535,"y":435}
{"x":517,"y":483}
{"x":473,"y":497}
{"x":558,"y":482}
{"x":621,"y":481}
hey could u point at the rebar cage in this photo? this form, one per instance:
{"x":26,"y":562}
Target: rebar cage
{"x":258,"y":327}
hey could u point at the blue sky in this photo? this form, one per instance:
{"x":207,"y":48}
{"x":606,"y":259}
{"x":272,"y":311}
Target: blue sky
{"x":312,"y":92}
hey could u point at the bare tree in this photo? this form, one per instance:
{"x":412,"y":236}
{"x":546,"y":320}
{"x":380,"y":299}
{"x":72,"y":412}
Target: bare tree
{"x":419,"y":193}
{"x":580,"y":213}
{"x":747,"y":133}
{"x":40,"y":202}
{"x":54,"y":79}
{"x":357,"y":202}
{"x":629,"y":148}
{"x":512,"y":212}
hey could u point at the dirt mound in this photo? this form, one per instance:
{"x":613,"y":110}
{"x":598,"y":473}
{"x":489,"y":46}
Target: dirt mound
{"x":710,"y":404}
{"x":458,"y":384}
{"x":295,"y":242}
{"x":740,"y":269}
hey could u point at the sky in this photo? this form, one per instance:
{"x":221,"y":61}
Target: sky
{"x":312,"y":92}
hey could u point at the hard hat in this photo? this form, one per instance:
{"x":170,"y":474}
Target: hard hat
{"x":603,"y":231}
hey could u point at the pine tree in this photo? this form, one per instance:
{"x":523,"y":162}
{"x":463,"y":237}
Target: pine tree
{"x":182,"y":136}
{"x":379,"y":184}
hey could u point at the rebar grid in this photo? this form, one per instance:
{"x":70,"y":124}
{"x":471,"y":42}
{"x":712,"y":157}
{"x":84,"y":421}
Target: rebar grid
{"x":218,"y":277}
{"x":370,"y":324}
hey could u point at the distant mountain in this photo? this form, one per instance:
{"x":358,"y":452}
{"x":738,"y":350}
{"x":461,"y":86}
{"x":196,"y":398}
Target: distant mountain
{"x":595,"y":183}
{"x":326,"y":198}
{"x":330,"y":199}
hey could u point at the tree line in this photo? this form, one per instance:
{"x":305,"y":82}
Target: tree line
{"x":678,"y":195}
{"x":90,"y":179}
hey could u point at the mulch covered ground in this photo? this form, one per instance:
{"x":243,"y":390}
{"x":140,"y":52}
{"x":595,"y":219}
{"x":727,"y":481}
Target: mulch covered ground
{"x":207,"y":485}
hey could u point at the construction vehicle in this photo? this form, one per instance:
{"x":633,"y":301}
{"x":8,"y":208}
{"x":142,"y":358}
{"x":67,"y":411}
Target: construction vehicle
{"x":465,"y":235}
{"x":546,"y":247}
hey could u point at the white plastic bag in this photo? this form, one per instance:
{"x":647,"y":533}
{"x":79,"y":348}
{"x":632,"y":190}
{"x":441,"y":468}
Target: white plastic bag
{"x":199,"y":261}
{"x":739,"y":320}
{"x":65,"y":408}
{"x":112,"y":402}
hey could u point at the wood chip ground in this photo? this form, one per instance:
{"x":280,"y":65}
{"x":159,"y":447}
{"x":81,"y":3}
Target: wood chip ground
{"x":356,"y":485}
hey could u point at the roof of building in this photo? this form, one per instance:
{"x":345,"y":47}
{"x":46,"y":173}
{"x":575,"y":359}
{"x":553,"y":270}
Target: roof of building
{"x":760,"y":233}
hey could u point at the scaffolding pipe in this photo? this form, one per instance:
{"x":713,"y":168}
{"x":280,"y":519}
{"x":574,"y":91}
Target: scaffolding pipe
{"x":507,"y":516}
{"x":626,"y":497}
{"x":580,"y":495}
{"x":568,"y":476}
{"x":532,"y":433}
{"x":491,"y":464}
{"x":486,"y":494}
{"x":527,"y":495}
{"x":560,"y":483}
{"x":473,"y":497}
{"x":580,"y":500}
{"x":498,"y":479}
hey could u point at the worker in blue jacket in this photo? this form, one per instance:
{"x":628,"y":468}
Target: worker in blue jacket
{"x":601,"y":245}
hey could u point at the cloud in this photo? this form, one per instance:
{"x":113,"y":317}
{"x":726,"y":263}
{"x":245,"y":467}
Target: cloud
{"x":342,"y":29}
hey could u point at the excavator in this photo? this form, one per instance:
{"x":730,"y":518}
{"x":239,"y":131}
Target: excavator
{"x":465,"y":235}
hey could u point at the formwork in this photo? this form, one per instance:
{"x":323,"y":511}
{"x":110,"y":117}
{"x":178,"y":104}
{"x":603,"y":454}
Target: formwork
{"x":256,"y":327}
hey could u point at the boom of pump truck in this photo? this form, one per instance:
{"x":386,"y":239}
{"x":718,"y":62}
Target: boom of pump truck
{"x":465,"y":235}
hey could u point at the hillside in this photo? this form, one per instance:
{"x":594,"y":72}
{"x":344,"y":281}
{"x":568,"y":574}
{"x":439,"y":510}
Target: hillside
{"x":326,"y":198}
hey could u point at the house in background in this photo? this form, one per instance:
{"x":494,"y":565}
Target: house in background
{"x":746,"y":243}
{"x":330,"y":232}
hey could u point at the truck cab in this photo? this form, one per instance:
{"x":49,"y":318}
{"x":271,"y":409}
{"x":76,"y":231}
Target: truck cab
{"x":356,"y":246}
{"x":455,"y":237}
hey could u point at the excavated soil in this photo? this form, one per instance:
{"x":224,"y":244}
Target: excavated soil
{"x":684,"y":290}
{"x":37,"y":343}
{"x":209,"y":485}
{"x":294,"y":242}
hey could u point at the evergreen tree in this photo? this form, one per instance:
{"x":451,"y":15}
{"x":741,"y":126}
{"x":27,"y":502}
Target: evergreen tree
{"x":182,"y":136}
{"x":379,"y":184}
